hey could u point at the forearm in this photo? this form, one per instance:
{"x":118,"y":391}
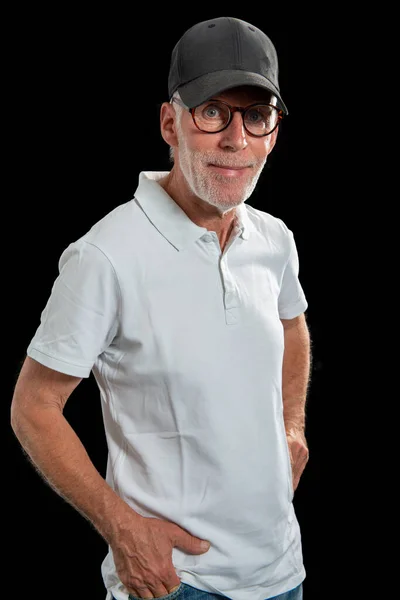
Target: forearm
{"x":60,"y":457}
{"x":296,"y":373}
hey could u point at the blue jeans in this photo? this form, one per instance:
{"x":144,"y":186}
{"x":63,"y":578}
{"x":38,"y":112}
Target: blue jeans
{"x":187,"y":592}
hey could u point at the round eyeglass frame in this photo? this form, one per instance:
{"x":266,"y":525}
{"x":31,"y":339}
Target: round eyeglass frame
{"x":232,"y":110}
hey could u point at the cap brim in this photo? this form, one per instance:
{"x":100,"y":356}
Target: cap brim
{"x":201,"y":89}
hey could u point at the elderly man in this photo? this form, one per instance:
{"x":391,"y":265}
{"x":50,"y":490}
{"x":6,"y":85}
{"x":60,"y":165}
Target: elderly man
{"x":186,"y":306}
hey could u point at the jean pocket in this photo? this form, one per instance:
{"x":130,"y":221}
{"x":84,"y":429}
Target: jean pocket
{"x":170,"y":596}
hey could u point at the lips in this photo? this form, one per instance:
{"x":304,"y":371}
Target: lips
{"x":230,"y":172}
{"x":231,"y":167}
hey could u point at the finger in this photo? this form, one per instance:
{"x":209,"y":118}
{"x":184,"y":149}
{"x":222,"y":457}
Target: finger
{"x":145,"y":593}
{"x":150,"y":596}
{"x":170,"y":591}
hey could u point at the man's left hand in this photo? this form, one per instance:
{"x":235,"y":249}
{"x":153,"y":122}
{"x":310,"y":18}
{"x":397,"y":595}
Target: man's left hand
{"x":298,"y":451}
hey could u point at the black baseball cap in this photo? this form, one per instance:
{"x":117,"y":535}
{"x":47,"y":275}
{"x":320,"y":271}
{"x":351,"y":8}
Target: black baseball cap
{"x":219,"y":54}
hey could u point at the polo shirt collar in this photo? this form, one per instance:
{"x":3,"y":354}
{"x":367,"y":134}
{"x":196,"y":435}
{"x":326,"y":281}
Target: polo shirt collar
{"x":168,"y":217}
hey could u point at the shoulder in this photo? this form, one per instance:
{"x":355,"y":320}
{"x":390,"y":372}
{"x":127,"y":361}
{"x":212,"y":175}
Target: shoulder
{"x":115,"y":223}
{"x":272,"y":228}
{"x":109,"y":237}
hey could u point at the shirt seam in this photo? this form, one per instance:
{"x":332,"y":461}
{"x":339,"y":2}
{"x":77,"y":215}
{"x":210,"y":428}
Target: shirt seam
{"x":72,"y":364}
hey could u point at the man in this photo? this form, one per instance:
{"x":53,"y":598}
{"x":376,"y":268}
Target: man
{"x":186,"y":306}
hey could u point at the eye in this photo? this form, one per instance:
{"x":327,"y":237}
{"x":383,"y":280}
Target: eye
{"x":254,"y":116}
{"x":211,"y":111}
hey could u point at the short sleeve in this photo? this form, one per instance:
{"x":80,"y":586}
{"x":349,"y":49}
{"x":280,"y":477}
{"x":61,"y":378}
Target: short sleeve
{"x":291,"y":301}
{"x":80,"y":318}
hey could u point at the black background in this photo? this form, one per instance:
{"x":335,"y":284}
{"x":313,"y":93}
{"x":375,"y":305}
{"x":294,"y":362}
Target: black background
{"x":87,"y":92}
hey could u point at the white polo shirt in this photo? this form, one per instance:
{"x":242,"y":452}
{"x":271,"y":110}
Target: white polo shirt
{"x":186,"y":346}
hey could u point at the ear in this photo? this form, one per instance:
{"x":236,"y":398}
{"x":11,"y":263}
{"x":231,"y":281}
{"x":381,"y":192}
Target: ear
{"x":271,"y":140}
{"x":167,"y":124}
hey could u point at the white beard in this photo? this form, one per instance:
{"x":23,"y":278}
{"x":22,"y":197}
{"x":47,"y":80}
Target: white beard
{"x":225,"y":193}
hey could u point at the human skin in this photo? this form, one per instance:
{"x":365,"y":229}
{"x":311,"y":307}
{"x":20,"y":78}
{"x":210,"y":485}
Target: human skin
{"x":295,"y":383}
{"x":208,"y":194}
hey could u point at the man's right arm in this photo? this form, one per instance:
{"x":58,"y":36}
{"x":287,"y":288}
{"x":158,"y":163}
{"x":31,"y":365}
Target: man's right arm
{"x":56,"y":451}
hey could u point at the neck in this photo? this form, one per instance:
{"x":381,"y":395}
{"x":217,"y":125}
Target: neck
{"x":200,"y":212}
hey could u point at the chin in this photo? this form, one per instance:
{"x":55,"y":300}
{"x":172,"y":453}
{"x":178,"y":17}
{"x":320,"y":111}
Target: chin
{"x":224,"y":205}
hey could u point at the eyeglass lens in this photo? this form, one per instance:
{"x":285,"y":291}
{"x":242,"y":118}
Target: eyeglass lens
{"x":213,"y":116}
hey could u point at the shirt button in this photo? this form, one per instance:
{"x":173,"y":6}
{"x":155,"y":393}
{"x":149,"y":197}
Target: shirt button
{"x":207,"y":237}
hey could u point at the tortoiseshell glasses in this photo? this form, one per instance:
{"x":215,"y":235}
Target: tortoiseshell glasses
{"x":214,"y":116}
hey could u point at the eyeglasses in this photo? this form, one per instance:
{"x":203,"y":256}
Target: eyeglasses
{"x":214,"y":116}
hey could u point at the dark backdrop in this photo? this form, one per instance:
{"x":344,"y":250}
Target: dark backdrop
{"x":89,"y":89}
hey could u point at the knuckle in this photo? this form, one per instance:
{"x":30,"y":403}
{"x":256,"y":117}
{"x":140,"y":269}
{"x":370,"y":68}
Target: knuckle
{"x":137,"y":583}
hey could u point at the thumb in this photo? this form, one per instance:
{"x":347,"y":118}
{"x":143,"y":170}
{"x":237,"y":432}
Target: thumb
{"x":189,"y":543}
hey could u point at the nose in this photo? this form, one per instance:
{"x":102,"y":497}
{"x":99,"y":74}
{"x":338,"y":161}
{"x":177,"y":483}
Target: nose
{"x":234,"y":136}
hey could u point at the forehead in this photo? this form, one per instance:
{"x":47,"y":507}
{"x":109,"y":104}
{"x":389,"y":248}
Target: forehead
{"x":246,"y":94}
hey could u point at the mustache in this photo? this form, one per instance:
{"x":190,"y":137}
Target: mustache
{"x":228,"y":162}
